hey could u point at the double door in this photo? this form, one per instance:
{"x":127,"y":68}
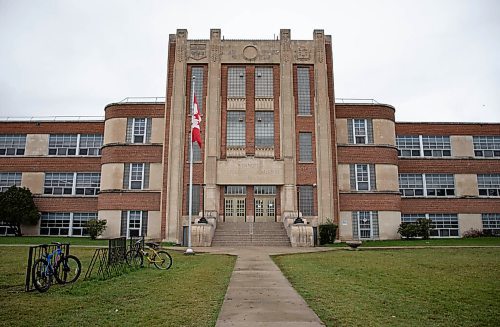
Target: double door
{"x":235,"y":209}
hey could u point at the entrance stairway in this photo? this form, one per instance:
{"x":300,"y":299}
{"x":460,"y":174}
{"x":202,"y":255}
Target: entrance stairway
{"x":250,"y":234}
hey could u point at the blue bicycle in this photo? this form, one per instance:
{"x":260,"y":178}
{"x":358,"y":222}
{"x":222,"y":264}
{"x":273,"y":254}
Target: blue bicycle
{"x":64,"y":268}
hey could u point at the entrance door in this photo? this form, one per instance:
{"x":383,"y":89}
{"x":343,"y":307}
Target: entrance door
{"x":234,"y":209}
{"x":265,"y":209}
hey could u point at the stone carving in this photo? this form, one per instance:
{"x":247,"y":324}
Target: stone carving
{"x":215,"y":52}
{"x":181,"y":52}
{"x":302,"y":53}
{"x":198,"y":51}
{"x":285,"y":45}
{"x":250,"y":52}
{"x":320,"y":47}
{"x":215,"y":34}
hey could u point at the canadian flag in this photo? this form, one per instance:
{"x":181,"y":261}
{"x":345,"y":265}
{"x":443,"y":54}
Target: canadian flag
{"x":195,"y":123}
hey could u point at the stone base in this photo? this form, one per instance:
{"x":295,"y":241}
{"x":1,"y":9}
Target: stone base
{"x":301,"y":235}
{"x":202,"y":234}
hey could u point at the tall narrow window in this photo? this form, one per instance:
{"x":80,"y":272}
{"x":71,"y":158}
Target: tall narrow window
{"x":264,"y":129}
{"x":235,"y":128}
{"x":360,"y":131}
{"x":304,"y":91}
{"x":365,"y":225}
{"x":12,"y":145}
{"x":306,"y":200}
{"x":362,"y":177}
{"x":198,"y":87}
{"x":263,"y":82}
{"x":305,"y":147}
{"x":134,"y":223}
{"x":136,"y":176}
{"x":195,"y":209}
{"x":236,"y":81}
{"x":139,"y":130}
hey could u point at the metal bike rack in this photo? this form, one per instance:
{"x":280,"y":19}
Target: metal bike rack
{"x":37,"y":252}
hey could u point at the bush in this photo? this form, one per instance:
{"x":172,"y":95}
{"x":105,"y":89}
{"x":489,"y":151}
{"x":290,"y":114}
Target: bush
{"x":18,"y":208}
{"x":408,"y":230}
{"x":421,"y":229}
{"x":327,"y":232}
{"x":473,"y":233}
{"x":96,"y":227}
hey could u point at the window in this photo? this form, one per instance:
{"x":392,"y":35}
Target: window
{"x":235,"y":129}
{"x":87,"y":183}
{"x":58,"y":184}
{"x":228,"y":212}
{"x":259,"y":208}
{"x":263,"y":82}
{"x":240,"y":207}
{"x":411,"y":185}
{"x":360,"y":131}
{"x":12,"y":145}
{"x":63,"y":144}
{"x":444,"y":225}
{"x":138,"y":130}
{"x":365,"y":225}
{"x":408,"y":146}
{"x":362,"y":177}
{"x":236,"y":82}
{"x":90,"y":144}
{"x":72,"y":183}
{"x":265,"y":190}
{"x":487,"y":146}
{"x":306,"y":200}
{"x":79,"y":220}
{"x":55,"y":223}
{"x":412,"y":218}
{"x":195,"y":209}
{"x":198,"y":87}
{"x":235,"y":190}
{"x":303,"y":91}
{"x":9,"y":179}
{"x":134,"y":223}
{"x":488,"y":184}
{"x":436,"y":146}
{"x":426,"y":185}
{"x":305,"y":147}
{"x":136,"y":176}
{"x":264,"y":129}
{"x":491,"y":223}
{"x":5,"y":229}
{"x":196,"y":152}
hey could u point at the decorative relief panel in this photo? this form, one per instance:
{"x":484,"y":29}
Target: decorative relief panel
{"x":215,"y":53}
{"x":198,"y":51}
{"x":250,"y":52}
{"x":302,"y":54}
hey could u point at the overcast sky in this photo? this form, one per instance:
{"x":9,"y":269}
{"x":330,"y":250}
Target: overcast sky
{"x":433,"y":60}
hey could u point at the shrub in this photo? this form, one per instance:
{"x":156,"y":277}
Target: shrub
{"x":424,"y":227}
{"x":408,"y":230}
{"x":327,"y":232}
{"x":18,"y":208}
{"x":473,"y":233}
{"x":96,"y":227}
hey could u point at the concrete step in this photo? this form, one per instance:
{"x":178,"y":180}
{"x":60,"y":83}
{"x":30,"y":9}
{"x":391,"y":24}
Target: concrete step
{"x":250,"y":234}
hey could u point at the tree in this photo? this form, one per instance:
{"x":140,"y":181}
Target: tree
{"x":18,"y":208}
{"x":95,"y":227}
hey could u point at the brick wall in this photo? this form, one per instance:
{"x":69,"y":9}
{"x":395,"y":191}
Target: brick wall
{"x":375,"y":111}
{"x":121,"y":110}
{"x":453,"y":205}
{"x":42,"y":127}
{"x":367,"y":154}
{"x":131,"y":153}
{"x":449,"y":166}
{"x":66,"y":204}
{"x":474,"y":129}
{"x":50,"y":164}
{"x":370,"y":201}
{"x":149,"y":201}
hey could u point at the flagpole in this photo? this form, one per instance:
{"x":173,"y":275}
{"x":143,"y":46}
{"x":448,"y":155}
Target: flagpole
{"x":189,"y":250}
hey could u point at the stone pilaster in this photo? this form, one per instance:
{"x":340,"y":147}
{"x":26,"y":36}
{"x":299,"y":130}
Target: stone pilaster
{"x":324,"y":159}
{"x":287,"y":124}
{"x":176,"y":140}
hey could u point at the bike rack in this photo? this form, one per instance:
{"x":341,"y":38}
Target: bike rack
{"x":36,"y":252}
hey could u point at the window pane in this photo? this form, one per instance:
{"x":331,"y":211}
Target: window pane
{"x":306,"y":200}
{"x":305,"y":147}
{"x":236,"y":82}
{"x":303,"y":91}
{"x":264,"y":82}
{"x":264,"y":129}
{"x":235,"y":128}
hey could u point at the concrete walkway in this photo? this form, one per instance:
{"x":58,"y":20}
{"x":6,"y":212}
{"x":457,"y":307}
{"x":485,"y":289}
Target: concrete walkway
{"x":259,"y":294}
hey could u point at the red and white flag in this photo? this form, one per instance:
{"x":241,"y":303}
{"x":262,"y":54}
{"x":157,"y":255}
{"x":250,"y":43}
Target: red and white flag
{"x":195,"y":123}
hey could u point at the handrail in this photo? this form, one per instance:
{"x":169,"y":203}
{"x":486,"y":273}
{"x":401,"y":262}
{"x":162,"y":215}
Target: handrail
{"x":143,"y":100}
{"x":354,"y":100}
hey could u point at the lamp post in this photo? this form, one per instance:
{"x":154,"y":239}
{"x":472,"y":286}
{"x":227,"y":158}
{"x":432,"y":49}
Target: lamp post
{"x":203,"y":220}
{"x":298,"y":220}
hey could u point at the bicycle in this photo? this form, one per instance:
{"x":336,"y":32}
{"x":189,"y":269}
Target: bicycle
{"x":65,"y":268}
{"x":160,"y":258}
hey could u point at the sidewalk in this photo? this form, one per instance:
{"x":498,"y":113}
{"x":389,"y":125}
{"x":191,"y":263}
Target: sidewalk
{"x":259,"y":294}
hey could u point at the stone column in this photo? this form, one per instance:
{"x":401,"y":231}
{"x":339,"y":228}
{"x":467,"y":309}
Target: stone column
{"x":213,"y":124}
{"x":324,"y":159}
{"x":287,"y":124}
{"x":176,"y":140}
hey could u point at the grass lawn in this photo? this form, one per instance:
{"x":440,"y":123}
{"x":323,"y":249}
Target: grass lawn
{"x":480,"y":241}
{"x":423,"y":287}
{"x":188,"y":294}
